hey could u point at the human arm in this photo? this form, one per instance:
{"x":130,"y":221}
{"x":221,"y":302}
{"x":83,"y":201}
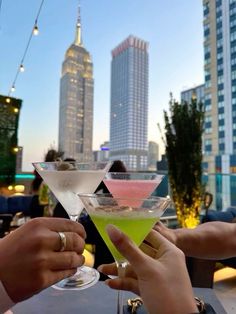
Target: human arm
{"x":30,"y":257}
{"x":160,"y":276}
{"x":211,"y":240}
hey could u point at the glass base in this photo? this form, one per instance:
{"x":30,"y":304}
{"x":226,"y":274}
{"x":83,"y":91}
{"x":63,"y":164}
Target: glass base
{"x":84,"y":278}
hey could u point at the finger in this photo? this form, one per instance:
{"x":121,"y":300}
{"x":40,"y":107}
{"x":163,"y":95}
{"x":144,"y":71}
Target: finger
{"x":126,"y":247}
{"x":111,"y":269}
{"x":108,"y":269}
{"x":127,"y":284}
{"x":74,"y":242}
{"x":65,"y":260}
{"x":57,"y":276}
{"x":150,"y":251}
{"x":158,"y":242}
{"x":158,"y":226}
{"x":153,"y":239}
{"x":62,"y":225}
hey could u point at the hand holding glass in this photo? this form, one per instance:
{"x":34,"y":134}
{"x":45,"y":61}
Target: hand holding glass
{"x":66,"y":180}
{"x":134,"y":221}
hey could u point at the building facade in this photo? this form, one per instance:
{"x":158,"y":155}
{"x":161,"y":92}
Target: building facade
{"x":103,"y":153}
{"x":153,"y":155}
{"x":9,"y":120}
{"x":196,"y":92}
{"x":76,"y":101}
{"x":220,"y":91}
{"x":220,"y":85}
{"x":129,"y":103}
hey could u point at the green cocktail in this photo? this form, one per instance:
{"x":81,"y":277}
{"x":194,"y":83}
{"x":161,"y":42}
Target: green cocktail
{"x":135,"y":217}
{"x":136,"y":228}
{"x":135,"y":221}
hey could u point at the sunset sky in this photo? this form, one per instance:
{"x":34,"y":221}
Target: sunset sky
{"x":172,"y":28}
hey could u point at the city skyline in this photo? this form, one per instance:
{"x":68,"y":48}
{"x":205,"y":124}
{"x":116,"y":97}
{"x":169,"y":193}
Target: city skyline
{"x":176,"y":59}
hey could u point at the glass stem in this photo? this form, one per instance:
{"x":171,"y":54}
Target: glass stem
{"x":121,"y":273}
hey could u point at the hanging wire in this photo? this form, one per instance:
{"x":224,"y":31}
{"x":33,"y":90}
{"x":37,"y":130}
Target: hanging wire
{"x":0,"y":11}
{"x":34,"y":31}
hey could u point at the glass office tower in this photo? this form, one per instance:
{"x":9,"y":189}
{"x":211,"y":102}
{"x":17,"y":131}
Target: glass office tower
{"x":76,"y":101}
{"x":129,"y":103}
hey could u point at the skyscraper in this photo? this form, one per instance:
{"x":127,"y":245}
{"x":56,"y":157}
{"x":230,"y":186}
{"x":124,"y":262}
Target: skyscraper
{"x":129,"y":103}
{"x":219,"y":144}
{"x":76,"y":101}
{"x":220,"y":85}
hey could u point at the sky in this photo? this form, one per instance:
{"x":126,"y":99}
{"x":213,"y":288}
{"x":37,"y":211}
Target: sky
{"x":173,"y":29}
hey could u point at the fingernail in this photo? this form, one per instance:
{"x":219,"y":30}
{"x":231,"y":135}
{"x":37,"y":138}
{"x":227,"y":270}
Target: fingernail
{"x":113,"y":232}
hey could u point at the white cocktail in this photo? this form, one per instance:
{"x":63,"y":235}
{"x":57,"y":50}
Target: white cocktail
{"x":66,"y":180}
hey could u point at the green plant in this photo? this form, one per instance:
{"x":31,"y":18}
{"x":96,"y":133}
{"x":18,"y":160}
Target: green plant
{"x":183,"y":132}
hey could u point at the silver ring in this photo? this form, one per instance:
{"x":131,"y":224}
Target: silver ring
{"x":62,"y":241}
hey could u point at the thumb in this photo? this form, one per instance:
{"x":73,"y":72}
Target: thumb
{"x":125,"y":246}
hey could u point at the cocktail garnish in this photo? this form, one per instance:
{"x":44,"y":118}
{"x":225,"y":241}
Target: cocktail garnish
{"x":62,"y":166}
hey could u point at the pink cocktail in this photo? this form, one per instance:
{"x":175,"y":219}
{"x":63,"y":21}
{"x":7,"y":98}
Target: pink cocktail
{"x":134,"y":186}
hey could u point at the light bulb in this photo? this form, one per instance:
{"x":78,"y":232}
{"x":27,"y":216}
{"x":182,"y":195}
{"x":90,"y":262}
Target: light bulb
{"x":13,"y":88}
{"x":8,"y":100}
{"x":22,"y":69}
{"x":36,"y":30}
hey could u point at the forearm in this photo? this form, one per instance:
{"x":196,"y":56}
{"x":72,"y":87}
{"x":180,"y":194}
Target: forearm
{"x":213,"y":240}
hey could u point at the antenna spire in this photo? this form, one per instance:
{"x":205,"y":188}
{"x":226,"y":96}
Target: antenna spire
{"x":78,"y":35}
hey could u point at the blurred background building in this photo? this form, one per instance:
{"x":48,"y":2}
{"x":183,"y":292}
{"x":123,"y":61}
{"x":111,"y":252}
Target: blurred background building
{"x":129,"y":103}
{"x":196,"y":92}
{"x":103,"y":153}
{"x":76,"y":101}
{"x":153,"y":155}
{"x":19,"y":157}
{"x":9,"y":120}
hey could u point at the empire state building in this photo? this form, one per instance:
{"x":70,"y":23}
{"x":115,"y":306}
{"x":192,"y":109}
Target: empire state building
{"x":76,"y":101}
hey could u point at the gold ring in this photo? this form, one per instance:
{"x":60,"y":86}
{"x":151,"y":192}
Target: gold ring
{"x":62,"y":241}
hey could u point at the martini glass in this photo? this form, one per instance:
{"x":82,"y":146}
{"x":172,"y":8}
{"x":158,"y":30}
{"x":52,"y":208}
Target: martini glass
{"x":133,"y":185}
{"x":135,"y":219}
{"x":66,"y":180}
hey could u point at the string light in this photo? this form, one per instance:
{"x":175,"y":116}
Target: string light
{"x":35,"y":32}
{"x":0,"y":9}
{"x":22,"y":69}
